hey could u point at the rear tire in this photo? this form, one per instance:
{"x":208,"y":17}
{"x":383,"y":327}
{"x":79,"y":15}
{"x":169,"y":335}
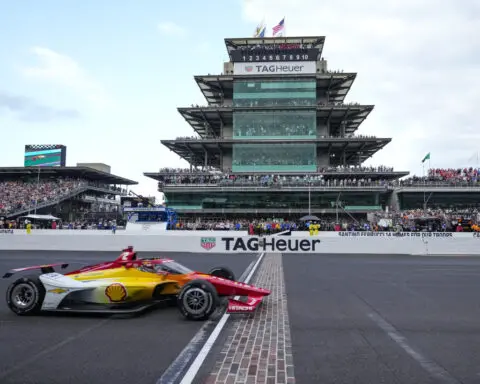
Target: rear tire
{"x":197,"y":300}
{"x":25,"y":296}
{"x":223,"y":272}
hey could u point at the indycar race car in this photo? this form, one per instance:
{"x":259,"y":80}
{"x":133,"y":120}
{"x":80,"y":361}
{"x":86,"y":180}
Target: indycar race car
{"x":130,"y":285}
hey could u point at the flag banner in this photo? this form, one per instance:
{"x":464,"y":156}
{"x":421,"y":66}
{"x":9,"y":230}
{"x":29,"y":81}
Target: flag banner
{"x":260,"y":30}
{"x":427,"y":157}
{"x":279,"y":28}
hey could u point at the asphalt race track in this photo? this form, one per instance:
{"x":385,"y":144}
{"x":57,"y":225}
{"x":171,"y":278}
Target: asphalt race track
{"x":384,"y":319}
{"x":353,"y":319}
{"x":95,"y":349}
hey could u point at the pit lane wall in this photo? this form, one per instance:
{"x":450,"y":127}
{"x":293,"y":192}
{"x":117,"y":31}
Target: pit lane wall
{"x":441,"y":243}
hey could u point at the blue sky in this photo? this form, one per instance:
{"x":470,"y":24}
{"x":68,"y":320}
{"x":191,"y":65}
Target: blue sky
{"x":105,"y":77}
{"x":110,"y":76}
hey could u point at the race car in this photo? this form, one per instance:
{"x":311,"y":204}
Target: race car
{"x":130,"y":285}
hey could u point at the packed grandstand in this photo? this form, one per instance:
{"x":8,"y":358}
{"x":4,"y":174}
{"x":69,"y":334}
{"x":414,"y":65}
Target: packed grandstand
{"x":85,"y":203}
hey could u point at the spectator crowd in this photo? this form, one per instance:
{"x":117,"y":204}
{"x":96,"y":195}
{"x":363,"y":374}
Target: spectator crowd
{"x":273,"y":181}
{"x":19,"y":195}
{"x":399,"y":221}
{"x":447,"y":176}
{"x":324,"y":177}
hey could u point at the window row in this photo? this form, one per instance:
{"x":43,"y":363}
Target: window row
{"x":274,"y":158}
{"x":274,"y":124}
{"x":256,"y":93}
{"x":270,"y":200}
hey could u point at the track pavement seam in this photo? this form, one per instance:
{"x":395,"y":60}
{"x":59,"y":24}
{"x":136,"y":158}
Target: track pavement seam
{"x":430,"y":366}
{"x":52,"y":349}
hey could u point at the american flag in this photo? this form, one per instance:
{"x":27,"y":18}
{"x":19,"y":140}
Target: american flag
{"x":279,"y":27}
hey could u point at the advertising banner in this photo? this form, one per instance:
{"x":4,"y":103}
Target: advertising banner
{"x":279,"y":68}
{"x":260,"y":244}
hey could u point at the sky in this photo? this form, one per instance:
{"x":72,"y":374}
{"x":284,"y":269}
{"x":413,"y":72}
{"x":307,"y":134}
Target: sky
{"x":105,"y":78}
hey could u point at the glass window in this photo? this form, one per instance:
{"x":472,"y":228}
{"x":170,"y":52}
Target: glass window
{"x":274,"y":157}
{"x":271,"y":199}
{"x":275,"y":125}
{"x":147,"y":217}
{"x":256,"y":93}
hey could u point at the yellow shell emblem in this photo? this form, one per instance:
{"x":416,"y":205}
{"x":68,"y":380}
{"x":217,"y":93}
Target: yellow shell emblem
{"x":116,"y":292}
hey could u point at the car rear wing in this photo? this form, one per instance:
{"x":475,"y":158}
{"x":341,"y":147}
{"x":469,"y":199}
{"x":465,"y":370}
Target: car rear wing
{"x":46,"y":268}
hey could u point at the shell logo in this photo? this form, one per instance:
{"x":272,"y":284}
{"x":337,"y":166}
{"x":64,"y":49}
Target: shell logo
{"x":116,"y":292}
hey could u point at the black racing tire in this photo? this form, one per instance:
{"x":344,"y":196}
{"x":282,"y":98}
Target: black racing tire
{"x":25,"y":296}
{"x":223,"y":272}
{"x":205,"y":293}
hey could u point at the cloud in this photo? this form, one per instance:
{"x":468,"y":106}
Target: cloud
{"x":62,"y":70}
{"x":29,"y":110}
{"x":417,"y":61}
{"x":172,"y":29}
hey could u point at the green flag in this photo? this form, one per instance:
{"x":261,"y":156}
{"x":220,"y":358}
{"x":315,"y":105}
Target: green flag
{"x":427,"y":157}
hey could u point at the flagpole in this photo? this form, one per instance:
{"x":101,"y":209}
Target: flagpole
{"x":38,"y":187}
{"x":424,"y":188}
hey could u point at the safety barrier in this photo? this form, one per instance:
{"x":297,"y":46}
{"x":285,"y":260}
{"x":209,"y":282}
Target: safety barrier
{"x":438,"y":243}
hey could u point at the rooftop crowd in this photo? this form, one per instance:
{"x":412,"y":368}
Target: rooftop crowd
{"x":278,"y":102}
{"x":293,"y":131}
{"x":339,"y":169}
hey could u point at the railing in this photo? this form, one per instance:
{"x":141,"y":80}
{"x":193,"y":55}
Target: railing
{"x":422,"y":186}
{"x":242,"y":185}
{"x":320,"y":172}
{"x":281,"y":211}
{"x":276,"y":186}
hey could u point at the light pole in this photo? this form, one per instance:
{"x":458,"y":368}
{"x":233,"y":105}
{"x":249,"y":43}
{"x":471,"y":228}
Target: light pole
{"x":36,"y":193}
{"x":309,"y":197}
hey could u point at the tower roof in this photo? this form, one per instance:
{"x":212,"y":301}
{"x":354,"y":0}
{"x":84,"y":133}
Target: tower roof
{"x":311,"y":45}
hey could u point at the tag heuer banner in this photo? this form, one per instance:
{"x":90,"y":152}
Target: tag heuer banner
{"x":260,"y":244}
{"x":277,"y":68}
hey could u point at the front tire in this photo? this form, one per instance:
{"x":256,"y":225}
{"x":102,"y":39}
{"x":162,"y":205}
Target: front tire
{"x":25,"y":296}
{"x":223,"y":272}
{"x":197,"y":300}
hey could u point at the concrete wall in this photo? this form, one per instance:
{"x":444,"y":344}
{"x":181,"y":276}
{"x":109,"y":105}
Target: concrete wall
{"x":227,"y":160}
{"x":228,"y":132}
{"x":322,"y":129}
{"x":98,"y":166}
{"x":323,"y":160}
{"x":237,"y":242}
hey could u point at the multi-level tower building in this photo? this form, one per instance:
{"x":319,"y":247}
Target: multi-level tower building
{"x":279,"y":136}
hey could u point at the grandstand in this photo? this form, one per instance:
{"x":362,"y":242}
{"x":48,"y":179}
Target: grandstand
{"x":276,"y":139}
{"x":446,"y":189}
{"x":69,"y":193}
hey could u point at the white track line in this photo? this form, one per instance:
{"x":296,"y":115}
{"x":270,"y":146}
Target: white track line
{"x":202,"y":355}
{"x":428,"y":365}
